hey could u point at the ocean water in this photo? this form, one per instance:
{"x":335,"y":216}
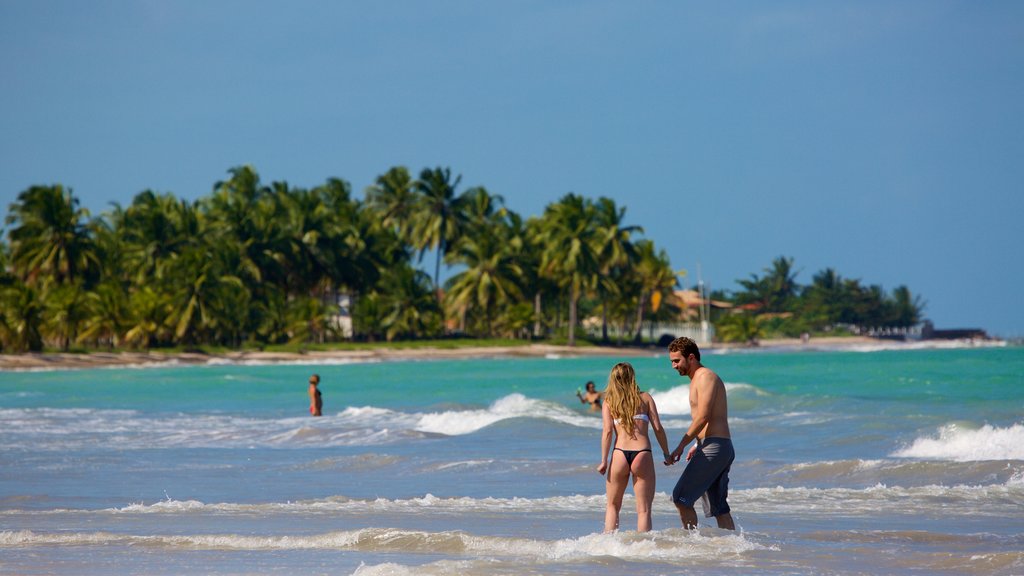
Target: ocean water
{"x":867,"y":461}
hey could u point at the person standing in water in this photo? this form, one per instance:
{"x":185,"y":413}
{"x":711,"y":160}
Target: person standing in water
{"x":627,"y":414}
{"x":592,"y":397}
{"x":316,"y":403}
{"x":709,"y":460}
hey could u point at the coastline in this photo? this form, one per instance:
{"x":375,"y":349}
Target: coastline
{"x":71,"y":361}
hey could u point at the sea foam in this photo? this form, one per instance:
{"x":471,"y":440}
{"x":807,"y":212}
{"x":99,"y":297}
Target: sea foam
{"x":959,"y":444}
{"x":460,"y":422}
{"x":667,"y":545}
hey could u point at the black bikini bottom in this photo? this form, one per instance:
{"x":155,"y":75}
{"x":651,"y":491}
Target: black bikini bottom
{"x":631,"y":454}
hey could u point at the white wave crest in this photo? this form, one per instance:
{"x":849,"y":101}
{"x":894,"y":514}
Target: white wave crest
{"x":459,"y":422}
{"x":70,"y":429}
{"x":667,"y":545}
{"x":676,"y":401}
{"x":799,"y":501}
{"x":964,"y":445}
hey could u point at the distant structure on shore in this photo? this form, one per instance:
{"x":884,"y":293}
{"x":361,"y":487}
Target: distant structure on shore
{"x":924,"y":331}
{"x":929,"y":332}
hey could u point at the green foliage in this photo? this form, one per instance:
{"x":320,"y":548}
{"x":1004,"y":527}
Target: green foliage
{"x":740,"y":328}
{"x":785,"y":308}
{"x":255,"y":265}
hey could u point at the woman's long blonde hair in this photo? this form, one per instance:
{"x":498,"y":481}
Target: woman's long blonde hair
{"x":623,"y":396}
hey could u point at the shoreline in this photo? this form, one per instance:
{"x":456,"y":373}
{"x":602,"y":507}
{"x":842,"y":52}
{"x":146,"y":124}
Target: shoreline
{"x":72,"y":361}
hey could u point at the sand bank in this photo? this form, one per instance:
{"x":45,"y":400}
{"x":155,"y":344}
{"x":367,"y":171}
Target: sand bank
{"x":61,"y":361}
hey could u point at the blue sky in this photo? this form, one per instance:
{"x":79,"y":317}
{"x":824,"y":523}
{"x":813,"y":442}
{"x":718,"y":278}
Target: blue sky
{"x":882,"y":139}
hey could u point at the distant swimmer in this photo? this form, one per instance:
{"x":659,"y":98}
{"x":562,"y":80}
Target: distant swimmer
{"x":709,"y":460}
{"x":316,"y":403}
{"x":592,"y":397}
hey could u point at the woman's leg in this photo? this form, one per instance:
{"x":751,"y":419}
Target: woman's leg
{"x":643,"y":488}
{"x":615,"y":487}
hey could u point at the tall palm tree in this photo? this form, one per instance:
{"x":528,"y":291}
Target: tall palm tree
{"x":21,"y":318}
{"x":614,"y":251}
{"x":197,"y":277}
{"x":304,"y":227}
{"x":655,"y":276}
{"x":154,"y":230}
{"x":441,"y":218}
{"x":66,"y":309}
{"x":492,"y":272}
{"x":149,"y":324}
{"x":781,"y":282}
{"x":348,"y":248}
{"x":536,"y":279}
{"x":394,"y":198}
{"x":571,"y":245}
{"x":241,"y":213}
{"x":407,"y":303}
{"x":50,"y":240}
{"x":775,"y":291}
{"x":107,"y":315}
{"x":907,"y":308}
{"x":480,"y":209}
{"x":823,"y":298}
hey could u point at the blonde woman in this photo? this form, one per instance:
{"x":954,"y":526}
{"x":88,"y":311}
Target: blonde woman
{"x":628,"y":413}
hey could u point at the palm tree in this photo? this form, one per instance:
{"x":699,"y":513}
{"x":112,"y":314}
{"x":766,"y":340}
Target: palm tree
{"x":823,"y":299}
{"x":149,"y":322}
{"x":241,"y":213}
{"x":107,"y":315}
{"x":65,"y":311}
{"x":441,"y":218}
{"x":195,"y":277}
{"x":349,"y":246}
{"x":781,"y":282}
{"x":535,"y":278}
{"x":614,"y":251}
{"x":740,"y":328}
{"x":409,"y":307}
{"x":21,"y":318}
{"x":655,"y":276}
{"x":571,"y":244}
{"x":302,"y":246}
{"x":154,"y":230}
{"x":491,"y":275}
{"x":907,"y":308}
{"x":50,"y":240}
{"x":775,"y":291}
{"x":394,"y":199}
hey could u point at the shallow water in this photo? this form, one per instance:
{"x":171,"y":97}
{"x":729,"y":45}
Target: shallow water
{"x":872,"y":461}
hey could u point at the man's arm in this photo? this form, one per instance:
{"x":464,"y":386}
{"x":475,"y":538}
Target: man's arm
{"x":659,"y":430}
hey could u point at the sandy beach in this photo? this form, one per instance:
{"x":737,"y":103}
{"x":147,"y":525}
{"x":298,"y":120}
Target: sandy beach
{"x":58,"y":361}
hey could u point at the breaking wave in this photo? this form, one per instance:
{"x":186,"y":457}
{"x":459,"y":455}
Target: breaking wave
{"x":959,"y":444}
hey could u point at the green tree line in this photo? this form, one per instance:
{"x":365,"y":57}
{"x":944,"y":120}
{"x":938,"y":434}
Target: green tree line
{"x":775,"y":304}
{"x":252,"y":264}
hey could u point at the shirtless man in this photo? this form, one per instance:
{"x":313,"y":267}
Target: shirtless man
{"x":591,"y":396}
{"x":708,"y":461}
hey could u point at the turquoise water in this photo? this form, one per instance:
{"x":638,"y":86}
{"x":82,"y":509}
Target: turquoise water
{"x":857,"y":461}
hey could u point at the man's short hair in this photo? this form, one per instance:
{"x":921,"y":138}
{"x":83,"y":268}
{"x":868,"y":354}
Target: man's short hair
{"x":685,"y":346}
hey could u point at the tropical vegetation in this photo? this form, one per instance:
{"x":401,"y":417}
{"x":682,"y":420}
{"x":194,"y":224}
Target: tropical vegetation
{"x":254,"y":265}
